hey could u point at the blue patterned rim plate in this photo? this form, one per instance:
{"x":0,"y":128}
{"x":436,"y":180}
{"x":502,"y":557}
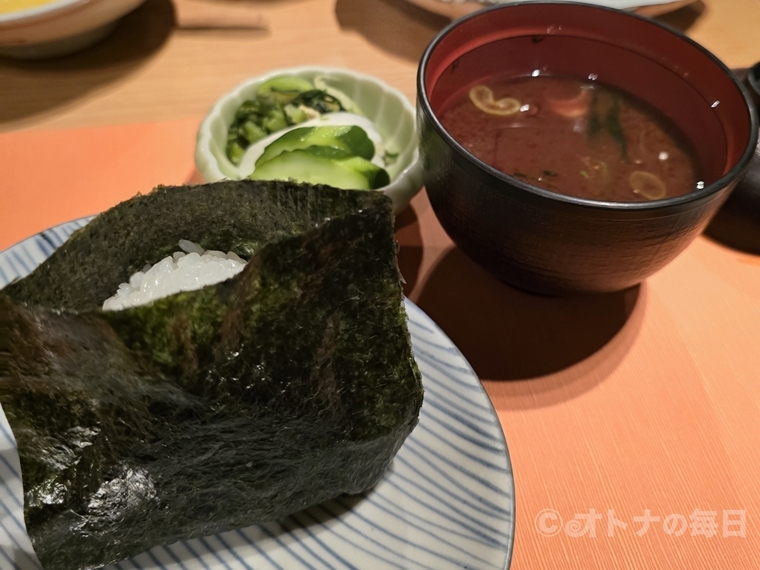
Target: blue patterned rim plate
{"x":446,"y":502}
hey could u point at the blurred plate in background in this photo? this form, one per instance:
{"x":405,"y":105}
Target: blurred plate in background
{"x":458,"y":8}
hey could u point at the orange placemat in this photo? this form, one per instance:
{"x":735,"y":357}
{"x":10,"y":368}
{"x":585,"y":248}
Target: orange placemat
{"x":50,"y":177}
{"x":618,"y":410}
{"x":632,"y":418}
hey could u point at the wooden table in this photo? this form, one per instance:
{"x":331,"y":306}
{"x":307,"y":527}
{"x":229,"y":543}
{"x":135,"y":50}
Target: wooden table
{"x":617,"y":409}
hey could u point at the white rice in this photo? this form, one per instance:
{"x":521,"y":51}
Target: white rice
{"x":187,"y":270}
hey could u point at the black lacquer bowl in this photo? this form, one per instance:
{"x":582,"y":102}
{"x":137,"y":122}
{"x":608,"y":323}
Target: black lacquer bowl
{"x":737,"y":223}
{"x":551,"y":243}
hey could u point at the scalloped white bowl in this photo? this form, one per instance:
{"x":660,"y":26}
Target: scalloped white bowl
{"x":388,"y":108}
{"x":59,"y":27}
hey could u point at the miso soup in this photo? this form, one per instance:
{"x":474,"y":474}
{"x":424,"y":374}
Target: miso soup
{"x":578,"y":138}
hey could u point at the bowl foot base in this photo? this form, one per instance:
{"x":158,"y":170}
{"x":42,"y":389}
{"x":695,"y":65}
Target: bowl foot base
{"x":56,"y":48}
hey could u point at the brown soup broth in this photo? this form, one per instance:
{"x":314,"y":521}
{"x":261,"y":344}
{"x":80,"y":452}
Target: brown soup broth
{"x":578,"y":138}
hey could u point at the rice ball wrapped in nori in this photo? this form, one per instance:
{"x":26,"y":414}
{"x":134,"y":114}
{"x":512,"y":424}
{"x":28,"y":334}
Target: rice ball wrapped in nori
{"x":287,"y":385}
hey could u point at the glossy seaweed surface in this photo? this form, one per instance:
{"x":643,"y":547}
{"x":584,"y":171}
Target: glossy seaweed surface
{"x":287,"y":385}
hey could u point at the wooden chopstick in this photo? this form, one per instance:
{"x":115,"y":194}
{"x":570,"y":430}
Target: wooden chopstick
{"x":200,"y":15}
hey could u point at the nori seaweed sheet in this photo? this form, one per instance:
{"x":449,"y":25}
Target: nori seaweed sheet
{"x":285,"y":386}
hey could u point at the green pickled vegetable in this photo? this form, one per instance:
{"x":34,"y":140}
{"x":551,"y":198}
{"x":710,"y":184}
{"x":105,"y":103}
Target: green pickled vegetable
{"x":351,"y":139}
{"x":323,"y":165}
{"x":279,"y":103}
{"x":284,"y":88}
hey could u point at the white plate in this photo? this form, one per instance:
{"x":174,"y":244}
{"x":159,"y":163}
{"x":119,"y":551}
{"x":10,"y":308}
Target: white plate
{"x":459,"y":8}
{"x":386,"y":107}
{"x":447,"y":501}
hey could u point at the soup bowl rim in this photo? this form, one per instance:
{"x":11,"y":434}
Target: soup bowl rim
{"x":664,"y":203}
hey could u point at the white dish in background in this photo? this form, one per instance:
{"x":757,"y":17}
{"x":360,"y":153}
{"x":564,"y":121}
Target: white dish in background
{"x":388,"y":108}
{"x":446,"y":503}
{"x":59,"y":27}
{"x":458,"y":8}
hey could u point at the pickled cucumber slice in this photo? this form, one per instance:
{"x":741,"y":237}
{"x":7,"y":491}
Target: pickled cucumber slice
{"x":323,"y":165}
{"x":284,"y":88}
{"x":348,"y":138}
